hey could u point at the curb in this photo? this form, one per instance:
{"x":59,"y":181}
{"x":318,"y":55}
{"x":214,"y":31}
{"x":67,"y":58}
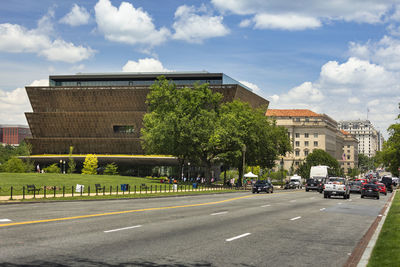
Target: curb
{"x":362,"y":252}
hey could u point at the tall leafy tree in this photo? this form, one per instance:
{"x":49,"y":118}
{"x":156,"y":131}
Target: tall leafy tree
{"x":240,"y":128}
{"x":181,"y":121}
{"x":319,"y":157}
{"x":390,"y":155}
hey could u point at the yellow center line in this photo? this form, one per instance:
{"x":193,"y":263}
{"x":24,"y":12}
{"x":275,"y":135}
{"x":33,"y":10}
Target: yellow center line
{"x":122,"y":212}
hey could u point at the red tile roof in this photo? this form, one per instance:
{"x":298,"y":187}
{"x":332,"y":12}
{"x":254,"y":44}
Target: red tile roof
{"x":291,"y":113}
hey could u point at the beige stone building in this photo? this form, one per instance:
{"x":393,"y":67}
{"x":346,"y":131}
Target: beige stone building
{"x":308,"y":131}
{"x":350,"y":152}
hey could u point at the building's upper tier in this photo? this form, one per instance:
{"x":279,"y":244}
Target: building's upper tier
{"x":141,"y":79}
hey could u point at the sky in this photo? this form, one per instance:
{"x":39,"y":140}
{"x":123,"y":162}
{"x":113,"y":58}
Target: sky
{"x":338,"y":57}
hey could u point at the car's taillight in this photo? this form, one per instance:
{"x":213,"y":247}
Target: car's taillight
{"x":363,"y":189}
{"x":324,"y":187}
{"x":344,"y":188}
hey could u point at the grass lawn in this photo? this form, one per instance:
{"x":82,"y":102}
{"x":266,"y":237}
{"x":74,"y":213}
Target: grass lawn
{"x":387,"y":248}
{"x":18,"y":180}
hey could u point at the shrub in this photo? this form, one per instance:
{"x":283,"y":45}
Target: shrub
{"x":111,"y":169}
{"x":14,"y":165}
{"x":53,"y":168}
{"x":90,"y":164}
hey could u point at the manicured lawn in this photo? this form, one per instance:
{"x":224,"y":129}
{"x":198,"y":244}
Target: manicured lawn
{"x":387,"y":249}
{"x":18,"y":180}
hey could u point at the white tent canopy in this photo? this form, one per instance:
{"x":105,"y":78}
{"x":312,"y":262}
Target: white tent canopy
{"x":250,"y":175}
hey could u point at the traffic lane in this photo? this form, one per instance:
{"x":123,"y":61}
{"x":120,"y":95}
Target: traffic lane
{"x":39,"y":211}
{"x":197,"y":226}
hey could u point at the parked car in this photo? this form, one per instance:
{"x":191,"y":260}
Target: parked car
{"x":355,"y":186}
{"x":322,"y":184}
{"x":263,"y":186}
{"x":382,"y":188}
{"x":370,"y":190}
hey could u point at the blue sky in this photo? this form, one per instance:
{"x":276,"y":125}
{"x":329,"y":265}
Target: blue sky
{"x":334,"y":57}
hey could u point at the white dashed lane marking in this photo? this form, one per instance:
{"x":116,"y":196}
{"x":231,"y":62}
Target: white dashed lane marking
{"x":219,"y":213}
{"x":120,"y":229}
{"x":268,"y":205}
{"x":322,"y":209}
{"x":237,"y":237}
{"x":295,"y":218}
{"x":5,"y":220}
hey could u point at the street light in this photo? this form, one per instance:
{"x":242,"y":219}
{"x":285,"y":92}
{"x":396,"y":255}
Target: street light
{"x":64,"y":167}
{"x":61,"y":166}
{"x":282,"y":171}
{"x":244,"y":160}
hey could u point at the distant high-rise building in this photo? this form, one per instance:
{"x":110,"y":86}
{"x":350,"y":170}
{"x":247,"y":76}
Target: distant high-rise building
{"x":369,"y":139}
{"x":13,"y":134}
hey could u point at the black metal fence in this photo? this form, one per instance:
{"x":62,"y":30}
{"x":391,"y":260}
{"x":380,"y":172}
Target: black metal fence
{"x":31,"y":191}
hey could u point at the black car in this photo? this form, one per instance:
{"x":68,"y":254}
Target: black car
{"x":370,"y":190}
{"x":263,"y":186}
{"x":312,"y":184}
{"x":355,"y":186}
{"x":388,"y":183}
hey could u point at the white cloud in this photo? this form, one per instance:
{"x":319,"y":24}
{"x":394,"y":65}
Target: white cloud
{"x":144,"y":65}
{"x":17,"y":39}
{"x":128,"y":24}
{"x":277,"y":14}
{"x":285,"y":22}
{"x":13,"y":104}
{"x":385,"y":52}
{"x":362,"y":83}
{"x":252,"y":86}
{"x":66,"y":52}
{"x":194,"y":28}
{"x":353,"y":100}
{"x":77,"y":16}
{"x":42,"y":82}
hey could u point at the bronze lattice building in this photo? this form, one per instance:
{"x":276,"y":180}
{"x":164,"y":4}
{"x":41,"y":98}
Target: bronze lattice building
{"x":102,"y":113}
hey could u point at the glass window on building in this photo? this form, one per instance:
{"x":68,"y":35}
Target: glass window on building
{"x":296,"y":163}
{"x":297,"y":135}
{"x":297,"y":143}
{"x":297,"y":119}
{"x":305,"y":143}
{"x":315,"y":143}
{"x":306,"y":153}
{"x":307,"y":119}
{"x":348,"y":157}
{"x":315,"y":135}
{"x":297,"y":153}
{"x":306,"y":135}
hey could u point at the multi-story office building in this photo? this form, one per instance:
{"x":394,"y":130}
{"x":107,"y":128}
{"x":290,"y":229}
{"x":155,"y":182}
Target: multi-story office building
{"x":369,"y":140}
{"x":13,"y":134}
{"x":102,"y":113}
{"x":307,"y":131}
{"x":350,"y":152}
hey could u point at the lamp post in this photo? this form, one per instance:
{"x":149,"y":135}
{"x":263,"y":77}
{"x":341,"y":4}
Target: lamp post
{"x":244,"y":160}
{"x":282,"y":171}
{"x":61,"y":170}
{"x":64,"y":167}
{"x":188,"y":177}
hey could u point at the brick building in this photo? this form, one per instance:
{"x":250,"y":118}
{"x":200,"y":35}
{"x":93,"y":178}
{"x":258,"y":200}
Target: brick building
{"x":13,"y":134}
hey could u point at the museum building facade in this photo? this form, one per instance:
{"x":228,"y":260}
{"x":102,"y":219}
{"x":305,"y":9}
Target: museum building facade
{"x":103,"y":113}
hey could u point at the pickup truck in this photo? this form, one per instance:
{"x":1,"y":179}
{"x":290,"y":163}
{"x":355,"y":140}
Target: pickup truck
{"x":337,"y":186}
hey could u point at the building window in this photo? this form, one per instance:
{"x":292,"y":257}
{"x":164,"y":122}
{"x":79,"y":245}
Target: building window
{"x":297,"y":119}
{"x":297,"y":135}
{"x":348,"y":146}
{"x":296,"y":163}
{"x":126,"y":129}
{"x":315,"y":135}
{"x":297,"y":153}
{"x":306,"y":135}
{"x":348,"y":157}
{"x":305,"y":143}
{"x":315,"y":143}
{"x":307,"y":119}
{"x":297,"y":143}
{"x":306,"y":153}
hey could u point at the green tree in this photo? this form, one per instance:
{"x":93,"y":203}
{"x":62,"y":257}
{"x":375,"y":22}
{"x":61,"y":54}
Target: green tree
{"x":180,"y":122}
{"x":111,"y":169}
{"x":239,"y":126}
{"x":365,"y":163}
{"x":390,"y":155}
{"x":90,"y":164}
{"x":71,"y":161}
{"x":14,"y":165}
{"x":53,"y":168}
{"x":319,"y":157}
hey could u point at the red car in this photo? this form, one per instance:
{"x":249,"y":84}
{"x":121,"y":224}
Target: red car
{"x":382,"y":188}
{"x":363,"y":181}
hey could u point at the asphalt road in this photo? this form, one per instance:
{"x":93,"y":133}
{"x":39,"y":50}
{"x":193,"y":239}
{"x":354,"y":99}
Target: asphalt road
{"x":237,"y":229}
